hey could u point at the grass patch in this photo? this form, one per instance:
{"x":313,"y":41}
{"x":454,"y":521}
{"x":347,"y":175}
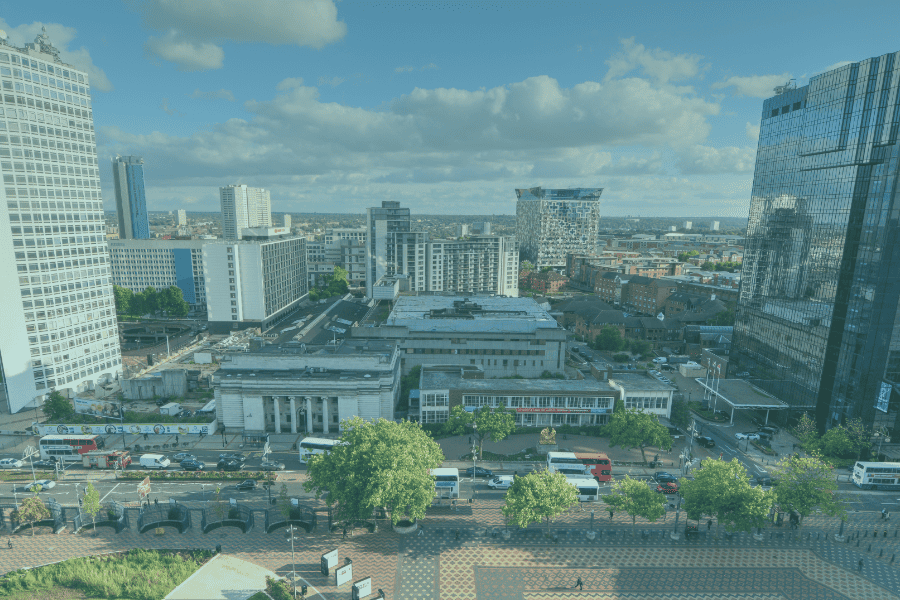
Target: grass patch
{"x":24,"y":475}
{"x":706,"y":414}
{"x":136,"y":575}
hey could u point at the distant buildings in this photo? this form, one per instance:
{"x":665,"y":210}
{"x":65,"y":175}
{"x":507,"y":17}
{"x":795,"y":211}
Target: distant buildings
{"x":243,"y":207}
{"x":344,"y":248}
{"x":182,"y":217}
{"x":548,"y":282}
{"x":381,"y":224}
{"x":713,"y":225}
{"x":131,"y":201}
{"x":553,"y":223}
{"x":688,"y":225}
{"x":138,"y":264}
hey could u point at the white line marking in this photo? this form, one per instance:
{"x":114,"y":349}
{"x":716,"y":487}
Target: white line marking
{"x":110,"y":492}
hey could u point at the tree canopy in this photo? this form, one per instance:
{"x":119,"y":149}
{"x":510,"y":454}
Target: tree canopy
{"x":171,"y":300}
{"x":637,"y":499}
{"x":334,"y":284}
{"x":495,"y":424}
{"x":609,"y":338}
{"x":722,"y":489}
{"x":634,"y":428}
{"x":31,"y":510}
{"x":57,"y":408}
{"x":539,"y":496}
{"x":806,"y":484}
{"x":383,"y":465}
{"x":91,"y":503}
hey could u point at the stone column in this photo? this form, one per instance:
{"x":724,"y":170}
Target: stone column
{"x":277,"y":414}
{"x":293,"y":415}
{"x":309,"y":415}
{"x":325,"y":415}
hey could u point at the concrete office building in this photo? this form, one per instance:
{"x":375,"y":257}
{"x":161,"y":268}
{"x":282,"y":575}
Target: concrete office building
{"x":181,"y":215}
{"x":243,"y":207}
{"x":253,"y":281}
{"x":58,"y":311}
{"x":817,"y":323}
{"x":137,"y":264}
{"x":131,"y":201}
{"x":381,"y":224}
{"x":553,"y":223}
{"x":505,"y":336}
{"x":281,"y":388}
{"x":713,"y":225}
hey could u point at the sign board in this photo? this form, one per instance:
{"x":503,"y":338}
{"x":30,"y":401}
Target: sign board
{"x":98,"y":408}
{"x":884,"y":397}
{"x":143,"y":488}
{"x":343,"y":575}
{"x":329,"y":560}
{"x":362,"y":588}
{"x":136,"y":429}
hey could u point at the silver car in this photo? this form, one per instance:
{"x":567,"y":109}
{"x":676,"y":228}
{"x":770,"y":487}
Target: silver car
{"x":271,"y":466}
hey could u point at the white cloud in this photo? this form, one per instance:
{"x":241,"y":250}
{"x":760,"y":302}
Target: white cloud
{"x":333,"y":82}
{"x":658,"y":64}
{"x":60,"y":37}
{"x":214,"y":95}
{"x":289,"y":83}
{"x":164,"y":105}
{"x":197,"y":29}
{"x":756,"y":86}
{"x":836,"y":65}
{"x":706,"y":160}
{"x":752,"y":131}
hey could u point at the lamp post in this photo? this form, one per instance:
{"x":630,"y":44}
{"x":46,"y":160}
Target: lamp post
{"x":15,"y":498}
{"x":674,"y":535}
{"x":29,"y":453}
{"x":290,"y":532}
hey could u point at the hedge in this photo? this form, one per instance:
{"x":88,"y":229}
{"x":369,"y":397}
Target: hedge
{"x":195,"y":475}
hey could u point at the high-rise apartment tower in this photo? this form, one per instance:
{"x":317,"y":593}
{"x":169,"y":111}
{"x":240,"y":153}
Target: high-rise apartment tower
{"x":243,"y":207}
{"x":553,"y":223}
{"x":381,"y":224}
{"x":131,"y":202}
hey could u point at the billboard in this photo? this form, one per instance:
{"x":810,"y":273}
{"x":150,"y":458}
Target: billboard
{"x":884,"y":397}
{"x":97,"y":408}
{"x":133,"y":428}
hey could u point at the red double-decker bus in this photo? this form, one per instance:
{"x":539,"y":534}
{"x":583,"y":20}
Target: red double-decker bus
{"x":68,"y":448}
{"x":597,"y":464}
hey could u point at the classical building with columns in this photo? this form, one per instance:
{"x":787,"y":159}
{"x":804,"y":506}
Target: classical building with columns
{"x":298,"y":389}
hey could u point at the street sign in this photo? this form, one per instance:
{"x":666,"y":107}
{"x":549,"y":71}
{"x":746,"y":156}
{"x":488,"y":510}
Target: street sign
{"x":343,"y":575}
{"x":143,"y":488}
{"x":361,"y":588}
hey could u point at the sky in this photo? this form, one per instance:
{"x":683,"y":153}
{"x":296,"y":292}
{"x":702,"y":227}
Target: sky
{"x":446,"y":106}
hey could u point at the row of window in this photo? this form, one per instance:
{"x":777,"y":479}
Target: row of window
{"x":538,"y":401}
{"x":646,"y":403}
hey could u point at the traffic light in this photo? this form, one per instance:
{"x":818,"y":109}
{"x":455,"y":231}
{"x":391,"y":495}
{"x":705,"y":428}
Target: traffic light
{"x":80,"y":501}
{"x":303,"y":589}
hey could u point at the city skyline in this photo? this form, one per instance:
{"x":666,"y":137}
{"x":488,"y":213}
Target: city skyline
{"x":663,"y":114}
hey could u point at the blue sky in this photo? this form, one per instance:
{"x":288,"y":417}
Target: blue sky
{"x":446,"y":106}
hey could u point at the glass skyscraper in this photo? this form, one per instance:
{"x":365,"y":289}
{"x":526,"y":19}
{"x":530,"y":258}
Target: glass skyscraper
{"x":131,"y":202}
{"x":817,"y":322}
{"x":553,"y":223}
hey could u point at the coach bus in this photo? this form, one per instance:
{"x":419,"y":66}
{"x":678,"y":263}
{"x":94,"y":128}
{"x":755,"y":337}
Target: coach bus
{"x":565,"y":462}
{"x":310,"y":446}
{"x":877,"y":475}
{"x":587,"y":486}
{"x":596,"y":464}
{"x":446,"y":482}
{"x":68,"y":448}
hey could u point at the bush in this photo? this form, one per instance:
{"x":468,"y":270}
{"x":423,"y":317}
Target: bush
{"x":621,"y":357}
{"x":174,"y":514}
{"x":278,"y":589}
{"x":234,"y":513}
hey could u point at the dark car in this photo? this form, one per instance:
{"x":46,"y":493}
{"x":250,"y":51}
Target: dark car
{"x":706,"y":442}
{"x":183,"y":414}
{"x":228,"y":465}
{"x":675,"y":433}
{"x":663,"y":477}
{"x":232,"y":456}
{"x":161,"y":401}
{"x":270,"y":465}
{"x":248,"y":485}
{"x":667,"y":488}
{"x":770,"y":429}
{"x":478,"y":472}
{"x":45,"y":464}
{"x":192,"y":464}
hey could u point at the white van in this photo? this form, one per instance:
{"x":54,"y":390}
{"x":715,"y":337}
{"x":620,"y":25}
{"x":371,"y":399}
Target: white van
{"x":503,"y":482}
{"x":154,"y":461}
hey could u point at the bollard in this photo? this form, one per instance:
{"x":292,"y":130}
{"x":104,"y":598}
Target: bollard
{"x":857,"y":543}
{"x":866,"y":535}
{"x":869,"y":549}
{"x":881,"y":553}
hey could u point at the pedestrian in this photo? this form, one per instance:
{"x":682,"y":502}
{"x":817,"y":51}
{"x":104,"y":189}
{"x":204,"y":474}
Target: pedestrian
{"x":611,"y":513}
{"x":859,"y":565}
{"x":9,"y":543}
{"x":883,"y":514}
{"x":709,"y":525}
{"x":421,"y":531}
{"x":156,"y":501}
{"x":579,"y":584}
{"x":345,"y":532}
{"x":457,"y":533}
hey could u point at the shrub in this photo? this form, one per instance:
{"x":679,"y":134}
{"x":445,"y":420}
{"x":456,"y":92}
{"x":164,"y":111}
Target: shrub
{"x":174,"y":514}
{"x":278,"y":589}
{"x":234,"y":513}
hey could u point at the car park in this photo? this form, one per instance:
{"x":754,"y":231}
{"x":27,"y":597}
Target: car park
{"x":663,"y":477}
{"x":228,"y":465}
{"x":192,"y":464}
{"x":248,"y":485}
{"x":706,"y":442}
{"x":183,"y":456}
{"x":10,"y":463}
{"x":667,"y":488}
{"x":764,"y":436}
{"x":269,"y":465}
{"x":747,"y":435}
{"x":478,"y":472}
{"x":503,"y":482}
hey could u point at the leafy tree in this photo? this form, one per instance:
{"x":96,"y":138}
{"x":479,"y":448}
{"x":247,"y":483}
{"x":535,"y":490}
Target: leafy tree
{"x":32,"y":509}
{"x":341,"y":274}
{"x":806,"y":484}
{"x":686,"y":256}
{"x":57,"y":408}
{"x":722,"y":489}
{"x":123,"y":297}
{"x":859,"y":436}
{"x":634,"y":428}
{"x":724,"y":318}
{"x":681,"y":415}
{"x":806,"y":431}
{"x":527,"y":266}
{"x":609,"y":339}
{"x":384,"y":465}
{"x":837,"y":443}
{"x":621,"y":357}
{"x":540,"y":495}
{"x":495,"y":424}
{"x":708,"y":266}
{"x":91,"y":503}
{"x":637,"y":499}
{"x":172,"y":301}
{"x":641,"y":347}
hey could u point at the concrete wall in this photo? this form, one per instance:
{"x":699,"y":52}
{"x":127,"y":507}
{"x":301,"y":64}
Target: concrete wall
{"x":165,"y":384}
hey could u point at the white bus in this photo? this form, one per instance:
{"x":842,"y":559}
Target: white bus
{"x":446,"y":482}
{"x":311,"y":446}
{"x":877,"y":475}
{"x":587,"y":486}
{"x":565,"y":462}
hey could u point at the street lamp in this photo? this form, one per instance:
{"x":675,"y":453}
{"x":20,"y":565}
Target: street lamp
{"x":29,"y":454}
{"x":674,"y":534}
{"x":290,"y":532}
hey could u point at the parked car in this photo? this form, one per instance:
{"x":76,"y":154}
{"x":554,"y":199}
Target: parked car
{"x":706,"y":442}
{"x":228,"y":465}
{"x":770,"y":429}
{"x":248,"y":485}
{"x":747,"y":435}
{"x":503,"y":482}
{"x":663,"y":477}
{"x":743,"y":374}
{"x":45,"y":464}
{"x":10,"y":463}
{"x":46,"y":484}
{"x":271,"y":466}
{"x":667,"y":488}
{"x":232,"y":456}
{"x":763,"y":436}
{"x":675,"y":433}
{"x":183,"y":456}
{"x":192,"y":464}
{"x":161,"y":401}
{"x":478,"y":472}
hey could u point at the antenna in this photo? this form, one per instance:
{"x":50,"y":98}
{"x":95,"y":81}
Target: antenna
{"x":788,"y":86}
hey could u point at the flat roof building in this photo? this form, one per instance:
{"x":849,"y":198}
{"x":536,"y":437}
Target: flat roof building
{"x":138,"y":264}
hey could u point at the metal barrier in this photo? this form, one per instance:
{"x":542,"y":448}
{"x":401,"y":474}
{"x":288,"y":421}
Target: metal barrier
{"x":230,"y":515}
{"x":299,"y":516}
{"x":174,"y":515}
{"x":56,"y":512}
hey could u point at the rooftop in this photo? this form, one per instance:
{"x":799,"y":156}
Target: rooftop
{"x":740,"y":393}
{"x":460,"y":313}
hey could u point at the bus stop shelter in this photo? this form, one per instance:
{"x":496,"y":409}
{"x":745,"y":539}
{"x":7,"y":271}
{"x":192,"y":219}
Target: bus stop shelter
{"x":740,"y":394}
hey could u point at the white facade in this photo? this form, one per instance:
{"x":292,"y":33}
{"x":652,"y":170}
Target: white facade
{"x":243,"y":207}
{"x":137,"y":264}
{"x":644,"y":392}
{"x":59,"y":321}
{"x":713,"y":225}
{"x":182,"y":217}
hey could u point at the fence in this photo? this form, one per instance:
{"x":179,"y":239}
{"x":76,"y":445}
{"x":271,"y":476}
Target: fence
{"x":231,"y":515}
{"x":300,"y":516}
{"x":173,"y":515}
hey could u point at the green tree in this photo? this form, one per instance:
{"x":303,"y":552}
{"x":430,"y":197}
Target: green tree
{"x":495,"y":424}
{"x":31,"y":510}
{"x":123,"y":297}
{"x":527,"y":266}
{"x":90,"y":504}
{"x":341,"y":274}
{"x":806,"y":484}
{"x":539,"y":496}
{"x":686,"y":256}
{"x":722,"y":489}
{"x":724,"y":318}
{"x":708,"y":266}
{"x":637,"y":499}
{"x":806,"y":431}
{"x":609,"y":339}
{"x":681,"y":415}
{"x":633,"y":428}
{"x":859,"y":436}
{"x":383,"y":465}
{"x":57,"y":408}
{"x":836,"y":443}
{"x":172,"y":301}
{"x":641,"y":347}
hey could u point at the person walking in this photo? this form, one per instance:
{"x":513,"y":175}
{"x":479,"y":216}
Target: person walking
{"x":421,"y":531}
{"x":9,"y":543}
{"x":883,"y":514}
{"x":156,"y":501}
{"x":709,"y":525}
{"x":579,"y":584}
{"x":859,"y":565}
{"x":345,"y":532}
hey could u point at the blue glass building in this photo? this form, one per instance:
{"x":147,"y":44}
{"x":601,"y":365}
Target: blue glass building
{"x":131,"y":203}
{"x":817,"y":321}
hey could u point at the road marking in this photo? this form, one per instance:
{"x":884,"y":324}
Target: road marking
{"x":763,"y":471}
{"x":110,"y":492}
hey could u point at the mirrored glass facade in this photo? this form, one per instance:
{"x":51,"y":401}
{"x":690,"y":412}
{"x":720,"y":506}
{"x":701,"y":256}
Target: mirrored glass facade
{"x":817,"y":322}
{"x":550,"y":224}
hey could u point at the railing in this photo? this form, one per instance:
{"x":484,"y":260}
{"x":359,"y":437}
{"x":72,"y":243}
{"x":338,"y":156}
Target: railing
{"x":231,"y":515}
{"x":173,"y":515}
